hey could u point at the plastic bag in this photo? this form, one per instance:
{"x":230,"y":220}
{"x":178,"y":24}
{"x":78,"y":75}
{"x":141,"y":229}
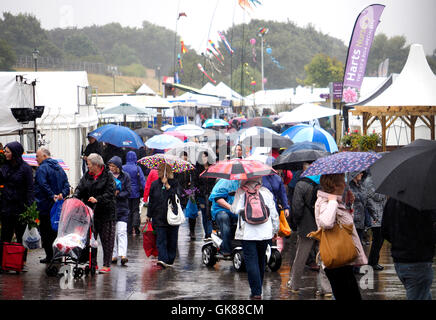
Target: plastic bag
{"x":191,"y":210}
{"x":31,"y":238}
{"x":55,"y":214}
{"x":149,"y":240}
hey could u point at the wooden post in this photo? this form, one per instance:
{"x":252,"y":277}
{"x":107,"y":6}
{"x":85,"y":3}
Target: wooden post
{"x":383,"y":125}
{"x":412,"y":127}
{"x":432,"y":124}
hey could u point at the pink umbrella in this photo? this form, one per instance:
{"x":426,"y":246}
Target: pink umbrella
{"x":31,"y":161}
{"x":177,"y":134}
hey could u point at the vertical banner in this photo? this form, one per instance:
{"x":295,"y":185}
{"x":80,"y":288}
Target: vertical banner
{"x":358,"y":50}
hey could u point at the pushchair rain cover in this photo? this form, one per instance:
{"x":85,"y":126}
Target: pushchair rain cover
{"x":73,"y":229}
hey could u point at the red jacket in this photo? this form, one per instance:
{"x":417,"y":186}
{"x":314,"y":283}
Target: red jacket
{"x":152,"y":176}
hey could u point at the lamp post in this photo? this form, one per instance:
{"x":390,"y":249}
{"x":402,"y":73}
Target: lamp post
{"x":261,"y":34}
{"x":35,"y":54}
{"x":158,"y":77}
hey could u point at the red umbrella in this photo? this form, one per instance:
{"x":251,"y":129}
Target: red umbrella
{"x":177,"y":134}
{"x":238,"y":169}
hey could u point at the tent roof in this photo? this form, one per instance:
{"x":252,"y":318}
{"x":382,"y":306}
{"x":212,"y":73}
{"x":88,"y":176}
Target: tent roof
{"x":57,"y":91}
{"x":144,"y":89}
{"x":414,"y":86}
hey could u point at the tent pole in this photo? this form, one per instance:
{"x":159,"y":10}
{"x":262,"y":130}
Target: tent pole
{"x":383,"y":125}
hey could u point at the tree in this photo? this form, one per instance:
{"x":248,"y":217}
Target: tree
{"x":243,"y":77}
{"x":322,"y":70}
{"x":7,"y":56}
{"x":80,"y":45}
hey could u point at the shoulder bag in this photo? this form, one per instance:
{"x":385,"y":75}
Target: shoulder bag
{"x":175,"y":215}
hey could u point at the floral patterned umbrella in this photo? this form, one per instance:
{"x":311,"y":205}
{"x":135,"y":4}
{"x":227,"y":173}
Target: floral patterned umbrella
{"x":342,"y":162}
{"x":177,"y":165}
{"x":238,"y":169}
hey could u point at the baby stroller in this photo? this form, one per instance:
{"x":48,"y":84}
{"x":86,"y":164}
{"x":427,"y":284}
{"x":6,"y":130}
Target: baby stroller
{"x":210,"y":252}
{"x":74,"y":240}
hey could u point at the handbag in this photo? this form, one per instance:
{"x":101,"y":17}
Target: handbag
{"x":336,"y":245}
{"x":284,"y":229}
{"x":175,"y":215}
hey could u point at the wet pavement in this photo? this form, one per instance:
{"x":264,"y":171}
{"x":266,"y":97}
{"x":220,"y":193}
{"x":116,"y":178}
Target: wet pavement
{"x":188,"y":279}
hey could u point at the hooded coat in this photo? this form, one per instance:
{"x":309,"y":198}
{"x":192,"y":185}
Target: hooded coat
{"x":122,"y":198}
{"x":137,"y":178}
{"x":17,"y":179}
{"x":50,"y":180}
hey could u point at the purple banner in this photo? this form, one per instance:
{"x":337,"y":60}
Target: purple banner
{"x":358,"y":50}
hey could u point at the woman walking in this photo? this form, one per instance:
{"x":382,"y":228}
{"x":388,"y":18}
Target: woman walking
{"x":163,"y":190}
{"x":17,"y":192}
{"x":329,"y":210}
{"x":97,"y":190}
{"x":255,"y":237}
{"x":122,"y":193}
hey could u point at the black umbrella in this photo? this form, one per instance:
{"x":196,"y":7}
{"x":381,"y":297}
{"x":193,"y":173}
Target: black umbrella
{"x":408,"y":175}
{"x":267,"y":140}
{"x":147,"y":132}
{"x":295,"y":160}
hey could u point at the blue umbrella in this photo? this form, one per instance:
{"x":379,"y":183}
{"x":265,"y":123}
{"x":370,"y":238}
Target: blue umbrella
{"x":99,"y":131}
{"x":121,"y":137}
{"x":163,"y":141}
{"x":305,"y":132}
{"x":215,"y":123}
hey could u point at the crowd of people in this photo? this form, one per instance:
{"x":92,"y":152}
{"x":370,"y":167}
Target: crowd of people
{"x":113,"y":185}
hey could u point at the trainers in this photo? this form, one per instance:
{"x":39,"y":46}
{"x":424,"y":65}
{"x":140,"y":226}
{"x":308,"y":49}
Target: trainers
{"x":45,"y":260}
{"x":162,"y":264}
{"x":114,"y":260}
{"x":255,"y":297}
{"x":124,"y":260}
{"x":25,"y":268}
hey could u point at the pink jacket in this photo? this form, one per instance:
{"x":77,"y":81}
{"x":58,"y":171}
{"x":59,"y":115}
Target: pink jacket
{"x":328,"y":212}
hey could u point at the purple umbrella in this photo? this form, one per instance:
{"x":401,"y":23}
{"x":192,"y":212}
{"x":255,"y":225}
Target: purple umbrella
{"x":342,"y":162}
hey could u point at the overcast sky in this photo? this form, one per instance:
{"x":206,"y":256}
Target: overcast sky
{"x":415,"y":19}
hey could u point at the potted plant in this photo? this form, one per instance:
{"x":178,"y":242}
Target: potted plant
{"x":30,"y":217}
{"x":356,"y":142}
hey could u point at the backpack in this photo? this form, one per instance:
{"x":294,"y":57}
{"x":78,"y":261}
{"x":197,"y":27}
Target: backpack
{"x":256,"y":212}
{"x":315,"y":189}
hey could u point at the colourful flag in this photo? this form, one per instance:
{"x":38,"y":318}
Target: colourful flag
{"x":183,"y":48}
{"x":226,"y":43}
{"x":358,"y":49}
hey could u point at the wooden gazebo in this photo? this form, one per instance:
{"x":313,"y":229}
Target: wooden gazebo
{"x":410,"y":97}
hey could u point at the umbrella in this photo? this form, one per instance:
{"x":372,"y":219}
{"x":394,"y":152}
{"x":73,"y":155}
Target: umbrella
{"x":177,"y":165}
{"x":211,"y":137}
{"x":267,"y":140}
{"x":258,"y":121}
{"x":30,"y":158}
{"x":194,"y":151}
{"x":266,"y":159}
{"x":305,"y":145}
{"x":176,"y":134}
{"x":306,"y":112}
{"x":294,"y":160}
{"x":190,"y":130}
{"x":215,"y":123}
{"x":147,"y":132}
{"x":124,"y":109}
{"x":166,"y":127}
{"x":304,"y":132}
{"x":121,"y":136}
{"x":341,"y":162}
{"x":162,"y":142}
{"x":408,"y":175}
{"x":98,"y":132}
{"x":238,"y":169}
{"x":253,"y":131}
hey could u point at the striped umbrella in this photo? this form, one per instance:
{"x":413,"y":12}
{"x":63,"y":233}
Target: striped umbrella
{"x":30,"y":158}
{"x":177,"y":165}
{"x":305,"y":132}
{"x":238,"y":169}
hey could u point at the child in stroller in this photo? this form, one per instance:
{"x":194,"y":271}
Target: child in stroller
{"x":74,"y":240}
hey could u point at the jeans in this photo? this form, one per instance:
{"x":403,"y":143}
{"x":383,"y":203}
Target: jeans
{"x":417,"y":279}
{"x":255,"y":259}
{"x":166,"y":243}
{"x":203,"y":205}
{"x":225,"y":221}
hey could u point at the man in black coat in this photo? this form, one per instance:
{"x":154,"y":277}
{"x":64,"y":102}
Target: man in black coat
{"x":412,"y":234}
